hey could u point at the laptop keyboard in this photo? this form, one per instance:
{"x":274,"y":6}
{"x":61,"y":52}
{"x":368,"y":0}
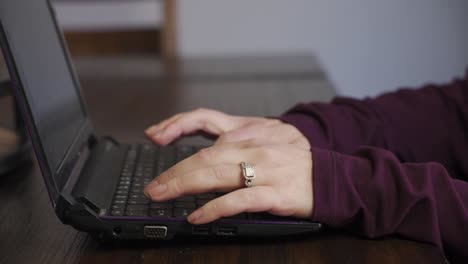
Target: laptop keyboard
{"x":142,"y":164}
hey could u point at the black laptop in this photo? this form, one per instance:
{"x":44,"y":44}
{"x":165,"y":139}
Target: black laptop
{"x":96,"y":183}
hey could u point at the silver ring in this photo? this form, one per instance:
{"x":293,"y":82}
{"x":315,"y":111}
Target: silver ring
{"x":249,"y":174}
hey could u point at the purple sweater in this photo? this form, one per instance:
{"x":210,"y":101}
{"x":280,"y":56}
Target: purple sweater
{"x":395,"y":164}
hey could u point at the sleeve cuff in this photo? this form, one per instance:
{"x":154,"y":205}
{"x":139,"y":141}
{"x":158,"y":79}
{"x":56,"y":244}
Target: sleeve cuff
{"x":323,"y":180}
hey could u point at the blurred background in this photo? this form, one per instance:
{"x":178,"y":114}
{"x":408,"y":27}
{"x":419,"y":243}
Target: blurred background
{"x":365,"y":46}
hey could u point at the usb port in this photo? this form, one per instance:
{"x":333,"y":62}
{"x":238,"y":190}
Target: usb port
{"x":226,"y":231}
{"x":201,"y":230}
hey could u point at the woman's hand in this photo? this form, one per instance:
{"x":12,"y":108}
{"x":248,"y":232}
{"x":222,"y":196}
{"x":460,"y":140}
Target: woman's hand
{"x":283,"y":183}
{"x":227,"y":128}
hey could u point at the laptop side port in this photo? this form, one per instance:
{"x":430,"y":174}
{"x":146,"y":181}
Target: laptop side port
{"x":226,"y":231}
{"x":155,"y":231}
{"x":201,"y":230}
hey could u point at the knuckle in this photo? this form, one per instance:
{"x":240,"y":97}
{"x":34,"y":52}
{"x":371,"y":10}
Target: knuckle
{"x":248,"y":197}
{"x":170,"y":173}
{"x":222,"y":139}
{"x":226,"y":137}
{"x":206,"y":154}
{"x":202,"y":110}
{"x":259,"y":140}
{"x":220,"y":173}
{"x":268,"y":153}
{"x":178,"y":186}
{"x":251,"y":142}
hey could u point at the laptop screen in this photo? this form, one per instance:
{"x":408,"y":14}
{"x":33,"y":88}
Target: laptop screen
{"x":46,"y":78}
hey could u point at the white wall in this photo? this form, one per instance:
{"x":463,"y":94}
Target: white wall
{"x":367,"y":46}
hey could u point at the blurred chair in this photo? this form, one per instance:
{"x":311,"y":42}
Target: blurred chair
{"x":119,"y":26}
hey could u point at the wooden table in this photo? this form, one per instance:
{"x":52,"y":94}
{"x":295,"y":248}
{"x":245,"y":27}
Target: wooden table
{"x":126,"y":95}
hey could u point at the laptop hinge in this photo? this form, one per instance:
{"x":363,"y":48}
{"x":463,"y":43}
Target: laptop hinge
{"x":97,"y":179}
{"x":85,"y":140}
{"x":75,"y":172}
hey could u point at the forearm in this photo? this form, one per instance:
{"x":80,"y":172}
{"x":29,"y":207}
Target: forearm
{"x":374,"y":195}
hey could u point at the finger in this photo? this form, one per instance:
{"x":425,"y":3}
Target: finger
{"x":153,"y":132}
{"x":229,"y":153}
{"x":221,"y":178}
{"x":255,"y":199}
{"x":154,"y":129}
{"x":208,"y":121}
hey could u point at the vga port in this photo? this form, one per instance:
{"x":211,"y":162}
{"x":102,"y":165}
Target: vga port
{"x":155,"y":231}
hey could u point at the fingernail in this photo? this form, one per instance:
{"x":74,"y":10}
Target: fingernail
{"x":150,"y":186}
{"x":149,"y":129}
{"x":160,"y":189}
{"x":194,"y":216}
{"x":158,"y":134}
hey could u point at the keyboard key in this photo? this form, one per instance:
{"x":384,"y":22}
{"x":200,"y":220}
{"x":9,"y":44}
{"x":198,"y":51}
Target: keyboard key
{"x":121,"y":192}
{"x":167,"y":205}
{"x":137,"y":192}
{"x":144,"y":181}
{"x":187,"y":205}
{"x":202,"y":202}
{"x":124,"y":183}
{"x":206,"y":196}
{"x":146,"y":147}
{"x":137,"y":185}
{"x":160,"y":212}
{"x":185,"y":199}
{"x":136,"y":213}
{"x":165,"y":160}
{"x":138,"y":196}
{"x":118,"y":206}
{"x":138,"y":201}
{"x":121,"y":197}
{"x":182,"y":212}
{"x":117,"y":212}
{"x":123,"y":188}
{"x":137,"y":207}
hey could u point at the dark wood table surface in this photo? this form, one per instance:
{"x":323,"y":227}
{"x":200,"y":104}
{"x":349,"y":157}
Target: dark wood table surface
{"x":124,"y":96}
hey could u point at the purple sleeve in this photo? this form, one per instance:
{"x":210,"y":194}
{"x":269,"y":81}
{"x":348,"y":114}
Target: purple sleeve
{"x":407,"y":147}
{"x":420,"y":125}
{"x":373,"y":194}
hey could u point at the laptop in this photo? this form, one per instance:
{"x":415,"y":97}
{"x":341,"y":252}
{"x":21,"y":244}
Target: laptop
{"x":96,"y":183}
